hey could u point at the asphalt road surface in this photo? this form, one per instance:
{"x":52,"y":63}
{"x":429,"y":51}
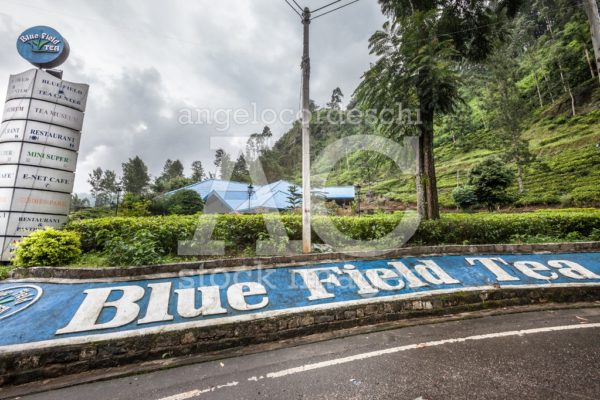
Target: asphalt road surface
{"x":541,"y":355}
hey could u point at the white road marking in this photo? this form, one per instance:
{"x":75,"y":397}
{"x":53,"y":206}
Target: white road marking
{"x":364,"y":356}
{"x":392,"y":350}
{"x":194,"y":393}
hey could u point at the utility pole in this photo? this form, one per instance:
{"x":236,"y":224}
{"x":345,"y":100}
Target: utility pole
{"x":591,"y":9}
{"x":306,"y":192}
{"x":306,"y":17}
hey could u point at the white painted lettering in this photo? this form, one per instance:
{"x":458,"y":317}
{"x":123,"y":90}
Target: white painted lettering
{"x":493,"y":267}
{"x":413,"y":281}
{"x":315,"y":284}
{"x":158,"y":305}
{"x":210,"y":298}
{"x":86,"y":317}
{"x":530,"y":269}
{"x":363,"y":285}
{"x":573,"y":270}
{"x":236,"y":296}
{"x":433,"y":274}
{"x":379,"y":275}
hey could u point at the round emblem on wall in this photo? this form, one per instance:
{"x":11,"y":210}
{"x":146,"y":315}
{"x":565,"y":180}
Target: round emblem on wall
{"x":17,"y":298}
{"x":43,"y":47}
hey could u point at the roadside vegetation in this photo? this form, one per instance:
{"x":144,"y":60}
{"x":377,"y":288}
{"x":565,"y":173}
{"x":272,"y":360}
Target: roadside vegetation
{"x":130,"y":241}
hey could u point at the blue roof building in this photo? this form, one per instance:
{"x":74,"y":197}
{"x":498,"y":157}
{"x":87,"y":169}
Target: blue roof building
{"x":232,"y":197}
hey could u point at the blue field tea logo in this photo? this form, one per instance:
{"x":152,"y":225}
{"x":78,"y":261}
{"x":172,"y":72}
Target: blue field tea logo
{"x":16,"y":299}
{"x":43,"y":47}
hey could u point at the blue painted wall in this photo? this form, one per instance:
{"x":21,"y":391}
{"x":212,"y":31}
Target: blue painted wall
{"x":38,"y":319}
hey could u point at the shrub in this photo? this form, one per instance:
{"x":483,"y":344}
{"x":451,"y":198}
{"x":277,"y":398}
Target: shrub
{"x":48,"y":247}
{"x":464,"y":197}
{"x":491,"y":179}
{"x":242,"y":231}
{"x":185,"y":202}
{"x":134,"y":206}
{"x":140,"y":249}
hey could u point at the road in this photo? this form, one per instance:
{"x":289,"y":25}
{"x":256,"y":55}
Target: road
{"x":537,"y":355}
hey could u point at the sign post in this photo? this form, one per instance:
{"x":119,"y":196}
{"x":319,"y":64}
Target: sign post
{"x":39,"y":140}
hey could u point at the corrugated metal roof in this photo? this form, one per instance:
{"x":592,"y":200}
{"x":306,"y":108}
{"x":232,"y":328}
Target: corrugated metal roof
{"x":273,"y":196}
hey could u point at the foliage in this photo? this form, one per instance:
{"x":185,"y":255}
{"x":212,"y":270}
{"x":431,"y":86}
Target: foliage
{"x":240,"y":170}
{"x":465,"y":197}
{"x":104,"y":186}
{"x":139,"y":249}
{"x":490,"y":180}
{"x":336,"y":99}
{"x":197,"y":172}
{"x":88,"y":213}
{"x":135,"y":176}
{"x":295,"y":197}
{"x":134,"y":206}
{"x":48,"y":247}
{"x":223,"y":163}
{"x":184,"y":202}
{"x":4,"y":271}
{"x":242,"y":231}
{"x":78,"y":203}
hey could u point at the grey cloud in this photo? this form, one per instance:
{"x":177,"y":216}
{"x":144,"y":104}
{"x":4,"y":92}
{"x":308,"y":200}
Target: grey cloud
{"x":145,"y":60}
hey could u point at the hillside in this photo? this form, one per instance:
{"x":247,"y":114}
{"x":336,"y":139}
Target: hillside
{"x":565,"y":169}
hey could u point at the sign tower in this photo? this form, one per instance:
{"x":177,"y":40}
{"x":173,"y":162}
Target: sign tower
{"x":39,"y":140}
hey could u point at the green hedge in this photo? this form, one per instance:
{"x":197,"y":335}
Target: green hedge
{"x":242,"y":231}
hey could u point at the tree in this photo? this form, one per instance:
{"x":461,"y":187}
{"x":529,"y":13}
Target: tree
{"x":257,"y":144}
{"x":184,"y":202}
{"x":135,"y":176}
{"x":336,"y":99}
{"x":104,"y":185}
{"x":465,"y":197}
{"x":419,"y":53}
{"x":508,"y":109}
{"x":295,"y":197}
{"x":223,"y":163}
{"x":95,"y":181}
{"x":240,"y":170}
{"x":78,"y":203}
{"x":197,"y":171}
{"x":172,"y":169}
{"x":491,"y":179}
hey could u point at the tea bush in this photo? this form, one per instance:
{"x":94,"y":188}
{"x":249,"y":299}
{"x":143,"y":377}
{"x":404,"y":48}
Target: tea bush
{"x":240,"y":232}
{"x":48,"y":247}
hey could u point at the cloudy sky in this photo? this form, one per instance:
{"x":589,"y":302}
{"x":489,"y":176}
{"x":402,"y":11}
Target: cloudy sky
{"x":148,"y":62}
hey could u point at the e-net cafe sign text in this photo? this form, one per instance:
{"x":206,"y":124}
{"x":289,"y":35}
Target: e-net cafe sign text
{"x":36,"y":314}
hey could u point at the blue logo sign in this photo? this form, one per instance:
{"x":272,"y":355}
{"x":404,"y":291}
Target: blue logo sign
{"x":43,"y":47}
{"x":17,"y":298}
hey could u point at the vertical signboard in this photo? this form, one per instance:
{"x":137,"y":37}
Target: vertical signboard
{"x":39,"y":140}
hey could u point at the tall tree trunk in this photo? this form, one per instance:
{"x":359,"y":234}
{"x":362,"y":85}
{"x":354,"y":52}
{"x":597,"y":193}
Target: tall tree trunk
{"x":549,"y":88}
{"x":567,"y":88}
{"x":537,"y":86}
{"x":520,"y":177}
{"x":431,"y":194}
{"x":420,"y":183}
{"x":589,"y":61}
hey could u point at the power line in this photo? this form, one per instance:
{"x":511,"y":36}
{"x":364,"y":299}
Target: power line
{"x":293,"y":8}
{"x":335,"y":9}
{"x":298,"y":5}
{"x":330,"y":4}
